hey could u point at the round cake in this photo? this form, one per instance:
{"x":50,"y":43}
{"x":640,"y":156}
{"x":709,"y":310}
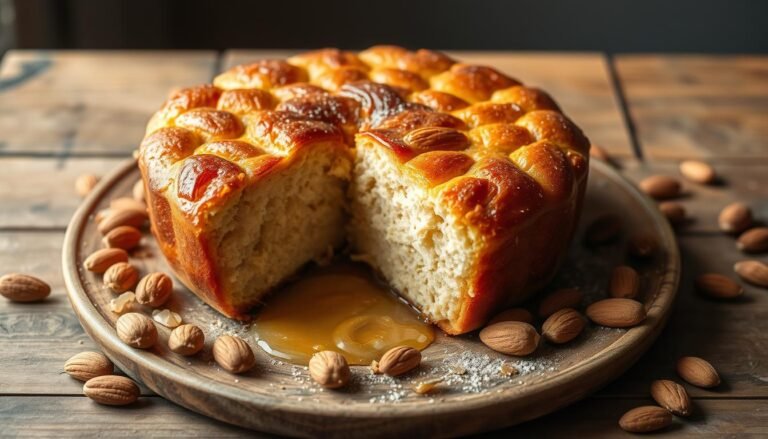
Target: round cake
{"x":456,"y":183}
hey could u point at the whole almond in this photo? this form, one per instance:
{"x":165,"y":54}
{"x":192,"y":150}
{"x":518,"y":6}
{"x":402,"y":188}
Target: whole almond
{"x":563,"y":326}
{"x":697,"y":371}
{"x":645,"y":419}
{"x":186,"y":340}
{"x":87,"y":365}
{"x":136,"y":330}
{"x":603,"y":230}
{"x":718,"y":286}
{"x":124,"y":237}
{"x":111,"y":390}
{"x":671,"y":396}
{"x":430,"y":138}
{"x":85,"y":183}
{"x":127,"y":203}
{"x":559,"y":299}
{"x":154,"y":289}
{"x":616,"y":312}
{"x":233,"y":354}
{"x":735,"y":218}
{"x":661,"y":187}
{"x":698,"y":171}
{"x":100,"y":260}
{"x":753,"y":240}
{"x":138,"y":191}
{"x":754,"y":272}
{"x":329,"y":369}
{"x":642,"y":246}
{"x":511,"y":338}
{"x":513,"y":315}
{"x":399,"y":360}
{"x":121,"y":277}
{"x":18,"y":287}
{"x":122,"y":217}
{"x":625,"y":282}
{"x":673,"y":211}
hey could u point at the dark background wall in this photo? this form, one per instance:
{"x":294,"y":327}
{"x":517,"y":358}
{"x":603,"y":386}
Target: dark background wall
{"x":608,"y":25}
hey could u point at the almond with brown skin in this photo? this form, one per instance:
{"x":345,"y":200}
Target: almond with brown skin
{"x":603,"y":230}
{"x":753,"y":240}
{"x":154,"y":289}
{"x":625,"y":282}
{"x":645,"y":419}
{"x":136,"y":330}
{"x":754,"y":272}
{"x":399,"y":360}
{"x":513,"y":315}
{"x":431,"y":138}
{"x":127,"y":203}
{"x":671,"y":396}
{"x":87,"y":365}
{"x":121,"y":277}
{"x":511,"y":338}
{"x":735,"y":218}
{"x":138,"y":191}
{"x":718,"y":286}
{"x":616,"y":313}
{"x":85,"y":183}
{"x":563,"y":326}
{"x":122,"y":217}
{"x":661,"y":187}
{"x":186,"y":340}
{"x":673,"y":211}
{"x":100,"y":260}
{"x":559,"y":299}
{"x":18,"y":287}
{"x":111,"y":390}
{"x":698,"y":371}
{"x":698,"y":171}
{"x":329,"y":369}
{"x":124,"y":237}
{"x":233,"y":354}
{"x":642,"y":246}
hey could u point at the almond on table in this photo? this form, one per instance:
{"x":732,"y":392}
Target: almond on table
{"x":18,"y":287}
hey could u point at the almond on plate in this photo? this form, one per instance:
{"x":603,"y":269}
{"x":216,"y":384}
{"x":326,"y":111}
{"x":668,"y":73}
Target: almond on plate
{"x":563,"y":326}
{"x":511,"y":338}
{"x":616,"y":313}
{"x":100,"y":260}
{"x":136,"y":330}
{"x":124,"y":237}
{"x":399,"y":360}
{"x":559,"y":299}
{"x":233,"y":354}
{"x":329,"y":369}
{"x":154,"y":289}
{"x":186,"y":340}
{"x":121,"y":277}
{"x":625,"y":282}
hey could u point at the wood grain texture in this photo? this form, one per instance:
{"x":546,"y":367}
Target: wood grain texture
{"x":579,"y":82}
{"x":87,"y":101}
{"x":698,"y":106}
{"x":151,"y":417}
{"x":40,"y":192}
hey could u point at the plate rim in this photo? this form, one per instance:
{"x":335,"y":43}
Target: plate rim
{"x":658,"y":309}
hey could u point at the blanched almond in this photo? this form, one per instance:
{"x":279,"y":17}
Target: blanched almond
{"x":698,"y":171}
{"x":625,"y":282}
{"x":718,"y":286}
{"x":616,"y":313}
{"x":698,"y":372}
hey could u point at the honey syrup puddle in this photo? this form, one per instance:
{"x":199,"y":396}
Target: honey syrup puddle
{"x":339,"y":308}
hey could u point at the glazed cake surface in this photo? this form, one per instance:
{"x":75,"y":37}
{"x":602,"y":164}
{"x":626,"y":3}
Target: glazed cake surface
{"x":456,"y":182}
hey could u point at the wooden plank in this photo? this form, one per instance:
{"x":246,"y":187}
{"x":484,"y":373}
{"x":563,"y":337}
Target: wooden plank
{"x":64,"y":102}
{"x":730,"y":334}
{"x":698,"y":106}
{"x":39,"y":192}
{"x":744,"y":182}
{"x":156,"y":417}
{"x":580,"y":82}
{"x":37,"y":338}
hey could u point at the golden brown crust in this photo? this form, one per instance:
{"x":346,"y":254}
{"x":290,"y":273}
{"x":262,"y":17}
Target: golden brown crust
{"x":499,"y":155}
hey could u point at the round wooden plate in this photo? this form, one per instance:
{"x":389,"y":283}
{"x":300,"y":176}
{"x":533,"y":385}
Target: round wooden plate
{"x":474,"y":395}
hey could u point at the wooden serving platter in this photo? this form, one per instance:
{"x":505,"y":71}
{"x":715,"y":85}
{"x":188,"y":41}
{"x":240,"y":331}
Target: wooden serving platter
{"x":474,"y":396}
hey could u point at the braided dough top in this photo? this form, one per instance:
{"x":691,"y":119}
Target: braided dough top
{"x":498,"y":152}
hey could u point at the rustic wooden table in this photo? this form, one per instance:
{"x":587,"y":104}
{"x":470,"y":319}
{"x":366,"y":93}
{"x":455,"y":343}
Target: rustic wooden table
{"x":67,"y":113}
